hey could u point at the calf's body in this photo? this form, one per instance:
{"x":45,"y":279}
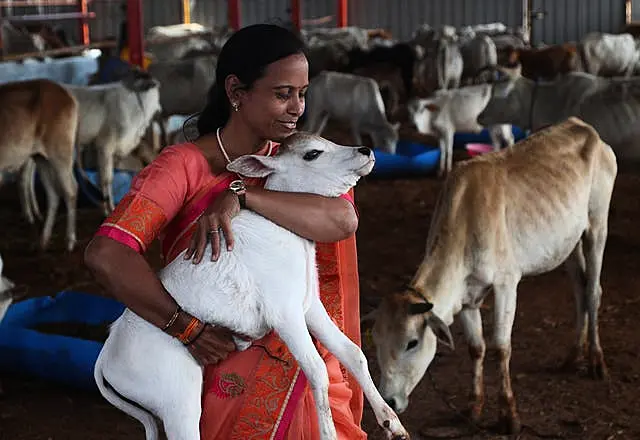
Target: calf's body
{"x":268,"y":282}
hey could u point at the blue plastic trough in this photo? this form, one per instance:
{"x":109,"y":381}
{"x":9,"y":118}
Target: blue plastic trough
{"x":90,"y":190}
{"x":461,"y":139}
{"x":58,"y":358}
{"x":411,"y":159}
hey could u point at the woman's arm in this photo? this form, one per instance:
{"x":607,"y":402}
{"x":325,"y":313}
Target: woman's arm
{"x":126,"y":275}
{"x":314,"y":217}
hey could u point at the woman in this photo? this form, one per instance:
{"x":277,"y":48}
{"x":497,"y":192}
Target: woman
{"x":186,"y":199}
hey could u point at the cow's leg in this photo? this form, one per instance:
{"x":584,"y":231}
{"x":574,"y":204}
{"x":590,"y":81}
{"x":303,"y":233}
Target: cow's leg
{"x":449,"y":147}
{"x":63,"y":170}
{"x":30,"y":208}
{"x":293,"y":332}
{"x":594,"y":241}
{"x":53,"y":199}
{"x":505,"y":294}
{"x":351,"y":356}
{"x":106,"y":151}
{"x":576,"y":268}
{"x":318,"y":126}
{"x":472,"y":325}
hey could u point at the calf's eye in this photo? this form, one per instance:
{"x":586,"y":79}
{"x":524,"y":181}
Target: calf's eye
{"x":312,"y":155}
{"x":412,"y":344}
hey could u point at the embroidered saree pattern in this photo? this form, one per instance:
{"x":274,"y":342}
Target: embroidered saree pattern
{"x":137,"y":216}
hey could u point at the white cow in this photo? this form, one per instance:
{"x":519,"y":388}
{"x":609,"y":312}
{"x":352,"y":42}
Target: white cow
{"x":609,"y":54}
{"x":501,"y":217}
{"x":351,"y":99}
{"x":114,"y":117}
{"x":249,"y":294}
{"x":451,"y":111}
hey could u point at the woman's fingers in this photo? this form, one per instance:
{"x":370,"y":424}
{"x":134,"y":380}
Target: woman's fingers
{"x":214,"y":234}
{"x":201,"y":239}
{"x":225,"y":225}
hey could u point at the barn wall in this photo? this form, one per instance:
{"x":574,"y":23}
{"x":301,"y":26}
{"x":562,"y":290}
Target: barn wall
{"x":570,"y":20}
{"x":402,"y":17}
{"x":565,"y":20}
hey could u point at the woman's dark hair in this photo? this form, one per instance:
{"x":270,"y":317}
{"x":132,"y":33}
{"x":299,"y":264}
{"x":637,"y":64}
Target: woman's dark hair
{"x":246,"y":55}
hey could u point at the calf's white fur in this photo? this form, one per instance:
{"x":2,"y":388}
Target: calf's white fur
{"x":250,"y":294}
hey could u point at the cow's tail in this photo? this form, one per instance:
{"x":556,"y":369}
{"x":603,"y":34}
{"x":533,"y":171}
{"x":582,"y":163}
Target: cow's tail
{"x":138,"y":413}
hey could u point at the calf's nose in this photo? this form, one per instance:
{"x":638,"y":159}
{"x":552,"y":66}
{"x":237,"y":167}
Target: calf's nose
{"x":365,"y":150}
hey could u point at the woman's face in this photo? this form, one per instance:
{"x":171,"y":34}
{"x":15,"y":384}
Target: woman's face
{"x":271,"y":108}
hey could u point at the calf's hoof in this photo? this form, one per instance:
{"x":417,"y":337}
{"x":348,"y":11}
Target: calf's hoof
{"x":395,"y":430}
{"x":510,"y":425}
{"x":598,"y":371}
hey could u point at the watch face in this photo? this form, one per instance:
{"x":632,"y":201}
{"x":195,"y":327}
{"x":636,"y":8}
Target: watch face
{"x":236,"y":185}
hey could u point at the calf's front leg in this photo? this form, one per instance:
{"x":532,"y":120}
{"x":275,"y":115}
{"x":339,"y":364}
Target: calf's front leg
{"x":351,"y":356}
{"x":293,"y":331}
{"x":472,"y":325}
{"x":505,"y":312}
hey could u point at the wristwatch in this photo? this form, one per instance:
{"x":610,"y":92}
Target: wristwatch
{"x":239,"y":189}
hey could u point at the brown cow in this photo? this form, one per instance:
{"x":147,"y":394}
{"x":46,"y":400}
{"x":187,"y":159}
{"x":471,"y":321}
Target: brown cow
{"x":546,"y":63}
{"x":501,"y":217}
{"x":39,"y":120}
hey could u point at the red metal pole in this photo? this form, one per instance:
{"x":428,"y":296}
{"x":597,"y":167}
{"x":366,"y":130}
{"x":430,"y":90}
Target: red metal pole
{"x":342,"y":13}
{"x":134,"y":32}
{"x":84,"y":26}
{"x":296,"y":14}
{"x":233,"y":14}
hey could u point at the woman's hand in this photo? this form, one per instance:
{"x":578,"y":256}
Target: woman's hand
{"x":213,"y":345}
{"x":216,"y":220}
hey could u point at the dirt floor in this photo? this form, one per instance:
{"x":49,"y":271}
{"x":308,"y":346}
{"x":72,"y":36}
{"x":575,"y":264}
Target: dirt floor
{"x":394,"y":221}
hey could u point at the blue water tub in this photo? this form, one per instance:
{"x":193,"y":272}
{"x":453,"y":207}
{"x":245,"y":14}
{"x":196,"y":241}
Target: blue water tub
{"x":461,"y":139}
{"x":411,"y":159}
{"x":59,"y":358}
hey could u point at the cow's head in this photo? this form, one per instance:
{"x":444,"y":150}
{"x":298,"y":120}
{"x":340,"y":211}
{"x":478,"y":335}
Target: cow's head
{"x":422,"y":111}
{"x":510,"y":103}
{"x":386,"y":136}
{"x":138,"y":80}
{"x":405,"y":332}
{"x":308,"y":163}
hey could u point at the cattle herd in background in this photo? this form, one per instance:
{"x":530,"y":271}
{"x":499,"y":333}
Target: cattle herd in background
{"x":442,"y":81}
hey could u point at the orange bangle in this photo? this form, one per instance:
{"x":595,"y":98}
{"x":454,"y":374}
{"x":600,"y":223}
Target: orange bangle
{"x":193,"y":330}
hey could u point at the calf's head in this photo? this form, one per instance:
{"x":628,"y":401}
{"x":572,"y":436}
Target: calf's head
{"x":422,"y":112}
{"x":308,"y":163}
{"x":405,"y":332}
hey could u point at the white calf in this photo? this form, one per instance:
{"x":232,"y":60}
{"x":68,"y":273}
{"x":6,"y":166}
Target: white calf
{"x":250,"y":294}
{"x":455,"y":110}
{"x":500,"y":217}
{"x":114,"y":117}
{"x":352,"y":99}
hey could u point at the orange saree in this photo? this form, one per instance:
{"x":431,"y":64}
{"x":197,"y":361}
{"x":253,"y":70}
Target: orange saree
{"x":259,"y":393}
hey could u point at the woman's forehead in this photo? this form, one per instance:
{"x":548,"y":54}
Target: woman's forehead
{"x":290,"y":71}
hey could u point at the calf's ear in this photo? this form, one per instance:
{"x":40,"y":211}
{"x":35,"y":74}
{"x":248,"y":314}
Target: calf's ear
{"x":441,"y":330}
{"x":253,"y":166}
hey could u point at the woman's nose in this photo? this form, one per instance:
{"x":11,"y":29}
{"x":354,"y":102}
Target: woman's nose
{"x":296,"y":106}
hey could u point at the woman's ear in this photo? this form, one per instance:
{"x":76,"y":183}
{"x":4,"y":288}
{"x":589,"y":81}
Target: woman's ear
{"x":234,"y":89}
